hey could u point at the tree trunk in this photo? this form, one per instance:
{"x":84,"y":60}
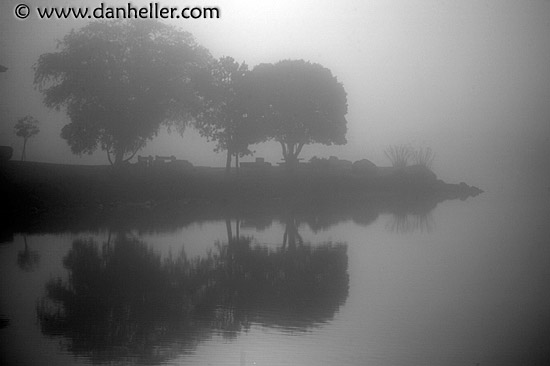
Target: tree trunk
{"x":109,"y":157}
{"x":108,"y":243}
{"x":228,"y":162}
{"x":290,"y":154}
{"x":229,"y":231}
{"x":23,"y":153}
{"x":133,"y":154}
{"x":291,"y":235}
{"x":119,"y":157}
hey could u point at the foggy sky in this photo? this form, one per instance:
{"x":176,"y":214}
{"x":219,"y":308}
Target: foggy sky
{"x":470,"y":79}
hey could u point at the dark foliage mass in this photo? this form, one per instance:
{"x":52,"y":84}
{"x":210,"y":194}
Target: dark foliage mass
{"x":120,"y":80}
{"x":35,"y":194}
{"x":226,"y":118}
{"x":301,"y":103}
{"x":123,"y":300}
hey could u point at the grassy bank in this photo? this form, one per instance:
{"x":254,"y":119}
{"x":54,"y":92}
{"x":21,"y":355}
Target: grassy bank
{"x":42,"y":186}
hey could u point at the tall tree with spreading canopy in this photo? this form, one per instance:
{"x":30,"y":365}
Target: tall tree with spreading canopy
{"x":26,"y":128}
{"x":120,"y":81}
{"x":226,"y":119}
{"x":302,"y":102}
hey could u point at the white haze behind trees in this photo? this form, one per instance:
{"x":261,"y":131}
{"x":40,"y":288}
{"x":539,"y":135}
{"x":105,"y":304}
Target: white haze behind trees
{"x":470,"y":79}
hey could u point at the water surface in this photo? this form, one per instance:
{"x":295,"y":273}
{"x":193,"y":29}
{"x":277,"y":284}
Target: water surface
{"x":418,"y":283}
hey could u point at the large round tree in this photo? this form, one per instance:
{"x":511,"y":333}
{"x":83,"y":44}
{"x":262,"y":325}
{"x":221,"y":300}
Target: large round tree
{"x":302,"y":103}
{"x":120,"y":81}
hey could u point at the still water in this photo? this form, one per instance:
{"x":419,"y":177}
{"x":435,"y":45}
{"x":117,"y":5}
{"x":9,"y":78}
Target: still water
{"x":413,"y":283}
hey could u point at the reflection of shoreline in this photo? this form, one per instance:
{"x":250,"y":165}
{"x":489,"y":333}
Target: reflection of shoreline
{"x":256,"y":213}
{"x":121,"y":300}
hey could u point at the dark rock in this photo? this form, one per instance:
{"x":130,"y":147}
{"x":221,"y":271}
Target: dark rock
{"x":420,"y":173}
{"x":4,"y":321}
{"x":6,"y":153}
{"x":180,"y":164}
{"x":364,"y":167}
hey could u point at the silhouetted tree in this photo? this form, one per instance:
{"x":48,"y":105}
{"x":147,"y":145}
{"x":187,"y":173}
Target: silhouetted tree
{"x":122,"y":300}
{"x":293,"y":287}
{"x":27,"y":259}
{"x":302,"y":103}
{"x":226,"y":120}
{"x":26,"y":128}
{"x":120,"y":80}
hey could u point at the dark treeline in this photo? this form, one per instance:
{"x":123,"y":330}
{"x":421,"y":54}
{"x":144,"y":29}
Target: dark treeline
{"x":35,"y":187}
{"x":318,"y":209}
{"x":123,"y":300}
{"x":121,"y":81}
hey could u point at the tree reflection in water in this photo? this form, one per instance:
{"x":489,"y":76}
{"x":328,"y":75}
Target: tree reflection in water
{"x":410,"y":223}
{"x":411,"y":216}
{"x":27,"y":259}
{"x":122,"y":300}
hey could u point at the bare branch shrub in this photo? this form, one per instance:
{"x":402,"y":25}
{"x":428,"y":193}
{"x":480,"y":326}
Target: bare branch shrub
{"x":424,"y":157}
{"x":398,"y":155}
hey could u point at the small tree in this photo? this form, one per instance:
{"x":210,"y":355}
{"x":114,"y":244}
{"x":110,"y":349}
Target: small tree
{"x":26,"y":128}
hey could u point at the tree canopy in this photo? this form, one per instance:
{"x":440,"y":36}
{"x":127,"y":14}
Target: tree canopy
{"x":226,"y":120}
{"x":302,"y":103}
{"x":120,"y":81}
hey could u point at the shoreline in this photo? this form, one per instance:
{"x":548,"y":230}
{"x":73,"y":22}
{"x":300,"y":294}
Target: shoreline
{"x":42,"y":196}
{"x":45,"y":185}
